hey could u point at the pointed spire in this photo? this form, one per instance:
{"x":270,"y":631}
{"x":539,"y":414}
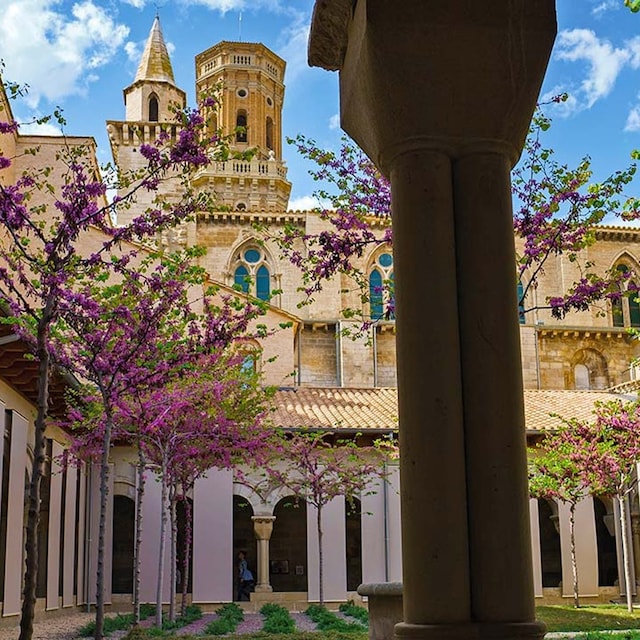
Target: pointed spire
{"x":155,"y":63}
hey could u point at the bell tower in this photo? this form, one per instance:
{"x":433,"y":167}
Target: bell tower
{"x":252,"y":94}
{"x":150,"y":103}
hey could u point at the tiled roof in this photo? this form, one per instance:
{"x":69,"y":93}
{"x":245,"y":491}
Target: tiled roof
{"x":336,"y":408}
{"x":542,"y":407}
{"x":377,"y":409}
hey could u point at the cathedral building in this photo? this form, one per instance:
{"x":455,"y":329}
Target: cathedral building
{"x":326,"y":379}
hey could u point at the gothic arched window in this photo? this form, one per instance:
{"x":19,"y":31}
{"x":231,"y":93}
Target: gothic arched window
{"x":381,"y":287}
{"x":520,"y":295}
{"x":251,"y":272}
{"x":153,"y":108}
{"x":625,"y":309}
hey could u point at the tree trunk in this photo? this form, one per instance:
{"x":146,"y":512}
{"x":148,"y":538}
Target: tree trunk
{"x":163,"y":541}
{"x":173,"y":553}
{"x":626,"y":560}
{"x":33,"y":518}
{"x":138,"y":543}
{"x":320,"y":558}
{"x":187,"y":552}
{"x":102,"y":530}
{"x":574,"y":564}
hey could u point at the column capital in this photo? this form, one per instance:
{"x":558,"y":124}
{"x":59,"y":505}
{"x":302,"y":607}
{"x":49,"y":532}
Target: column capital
{"x":263,"y":526}
{"x":450,"y":73}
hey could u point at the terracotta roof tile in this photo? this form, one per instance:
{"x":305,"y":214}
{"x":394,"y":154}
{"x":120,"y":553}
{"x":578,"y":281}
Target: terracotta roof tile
{"x":377,"y":409}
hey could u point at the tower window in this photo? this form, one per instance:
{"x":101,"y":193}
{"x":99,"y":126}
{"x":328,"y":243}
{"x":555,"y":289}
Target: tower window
{"x":153,"y":109}
{"x":269,"y":133}
{"x":242,"y":93}
{"x":241,"y":126}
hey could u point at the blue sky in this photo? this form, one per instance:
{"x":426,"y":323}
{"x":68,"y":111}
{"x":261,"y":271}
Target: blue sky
{"x":80,"y":55}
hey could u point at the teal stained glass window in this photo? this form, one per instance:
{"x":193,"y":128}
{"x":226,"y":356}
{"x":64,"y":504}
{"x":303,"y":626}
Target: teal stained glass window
{"x":376,"y":307}
{"x":521,"y":302}
{"x":241,"y":278}
{"x":263,"y":286}
{"x":385,"y":260}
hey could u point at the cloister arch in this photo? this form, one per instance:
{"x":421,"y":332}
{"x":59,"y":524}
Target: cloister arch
{"x":288,"y":546}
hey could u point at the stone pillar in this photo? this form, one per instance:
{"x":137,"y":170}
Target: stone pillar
{"x":263,"y":527}
{"x":440,"y":96}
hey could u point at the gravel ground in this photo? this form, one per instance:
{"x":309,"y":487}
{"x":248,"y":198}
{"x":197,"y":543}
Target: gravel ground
{"x":66,"y":627}
{"x":55,"y":628}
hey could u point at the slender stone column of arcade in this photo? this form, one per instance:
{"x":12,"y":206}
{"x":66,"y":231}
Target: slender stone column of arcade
{"x":263,"y":527}
{"x":440,"y":95}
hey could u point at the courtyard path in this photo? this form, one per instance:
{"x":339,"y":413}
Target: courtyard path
{"x":66,"y":627}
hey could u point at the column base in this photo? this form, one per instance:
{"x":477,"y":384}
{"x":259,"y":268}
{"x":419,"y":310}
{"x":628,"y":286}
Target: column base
{"x":263,"y":588}
{"x":472,"y":631}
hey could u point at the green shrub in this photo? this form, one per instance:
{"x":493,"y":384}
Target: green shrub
{"x":327,"y":621}
{"x":354,"y":611}
{"x":229,"y":617}
{"x":277,"y":619}
{"x":111,"y":623}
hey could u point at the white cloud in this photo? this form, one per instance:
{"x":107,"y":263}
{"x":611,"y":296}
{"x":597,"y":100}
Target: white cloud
{"x":604,"y":62}
{"x":633,"y":120}
{"x":294,"y":49}
{"x":634,"y":48}
{"x":53,"y":52}
{"x":134,"y":50}
{"x":564,"y":108}
{"x":334,"y":121}
{"x":138,"y":4}
{"x":606,"y":5}
{"x":44,"y":129}
{"x":304,"y":203}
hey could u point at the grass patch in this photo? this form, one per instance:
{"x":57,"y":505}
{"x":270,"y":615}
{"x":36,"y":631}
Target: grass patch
{"x":277,"y":619}
{"x":592,"y":618}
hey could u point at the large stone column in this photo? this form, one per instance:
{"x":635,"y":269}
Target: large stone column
{"x":440,"y":95}
{"x":263,"y":528}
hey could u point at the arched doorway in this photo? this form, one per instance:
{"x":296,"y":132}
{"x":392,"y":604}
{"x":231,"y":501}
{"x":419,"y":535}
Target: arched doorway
{"x":353,"y":537}
{"x":244,"y":538}
{"x":288,"y":546}
{"x":550,"y":553}
{"x":124,"y":525}
{"x":605,"y":535}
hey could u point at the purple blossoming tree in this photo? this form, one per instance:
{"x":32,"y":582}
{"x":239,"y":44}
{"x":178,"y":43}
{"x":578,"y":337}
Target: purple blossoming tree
{"x":555,"y":209}
{"x":317,"y":470}
{"x":55,"y":227}
{"x":555,"y":474}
